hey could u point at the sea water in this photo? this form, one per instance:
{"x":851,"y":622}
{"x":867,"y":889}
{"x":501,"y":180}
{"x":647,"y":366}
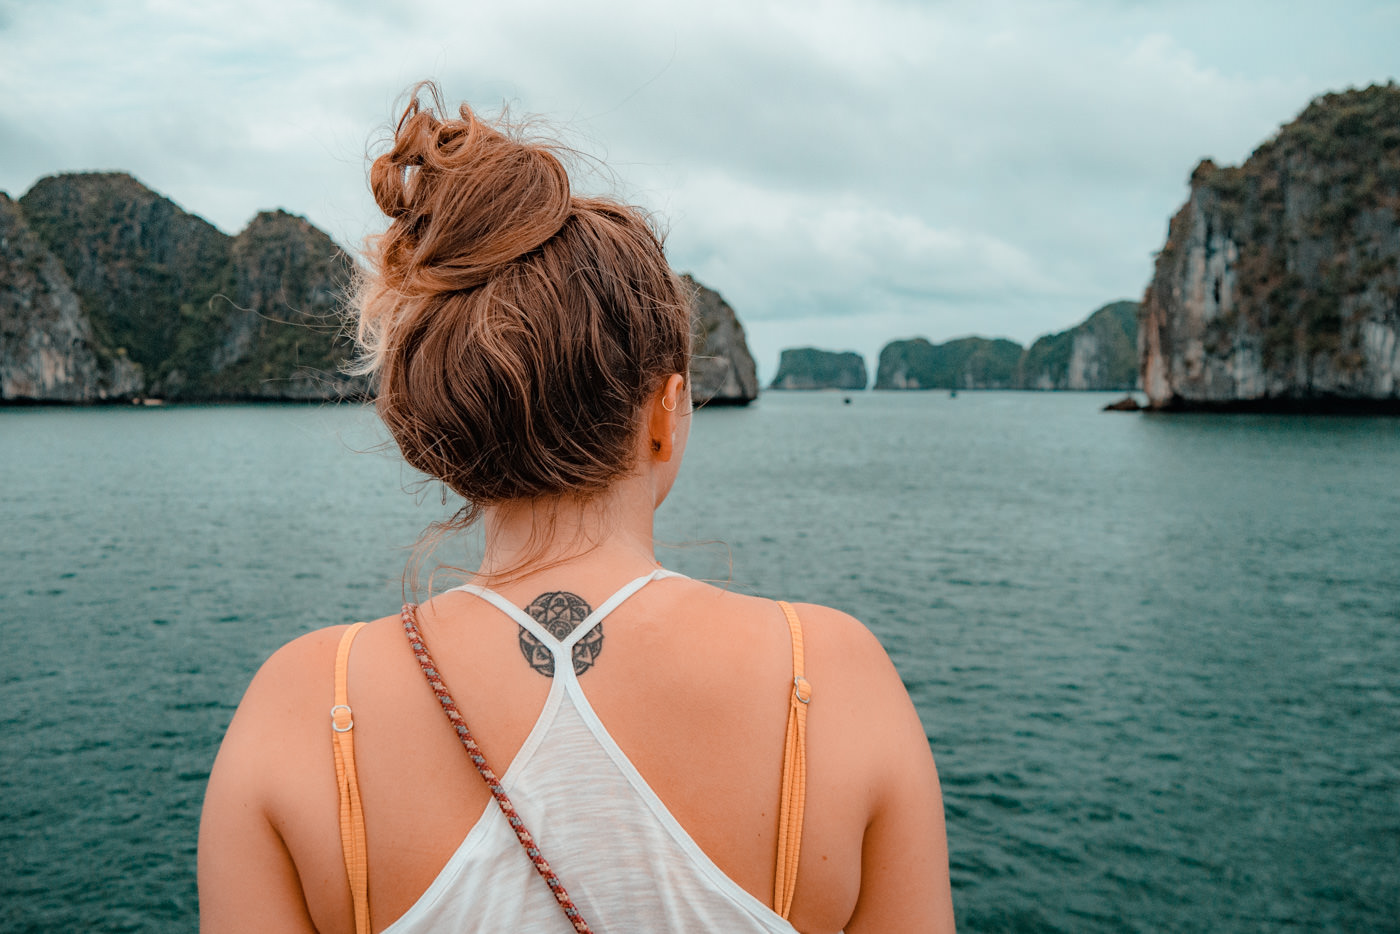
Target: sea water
{"x":1157,"y":657}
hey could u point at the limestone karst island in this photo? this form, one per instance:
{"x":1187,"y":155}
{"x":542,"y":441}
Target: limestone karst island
{"x":1277,"y":289}
{"x":1279,"y":284}
{"x":1099,"y":353}
{"x":110,"y":292}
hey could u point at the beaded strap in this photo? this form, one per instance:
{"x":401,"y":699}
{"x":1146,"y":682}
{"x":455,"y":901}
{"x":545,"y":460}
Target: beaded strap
{"x":425,"y":661}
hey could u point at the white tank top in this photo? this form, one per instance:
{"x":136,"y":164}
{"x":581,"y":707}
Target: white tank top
{"x":626,"y":862}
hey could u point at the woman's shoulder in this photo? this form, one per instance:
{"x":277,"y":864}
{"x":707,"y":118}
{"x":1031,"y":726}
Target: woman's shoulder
{"x":283,"y":719}
{"x":302,"y":662}
{"x":298,"y":678}
{"x":849,"y":664}
{"x":824,"y":628}
{"x":838,"y":649}
{"x":841,"y":632}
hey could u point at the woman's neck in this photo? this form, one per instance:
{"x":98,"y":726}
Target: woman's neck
{"x":611,"y":529}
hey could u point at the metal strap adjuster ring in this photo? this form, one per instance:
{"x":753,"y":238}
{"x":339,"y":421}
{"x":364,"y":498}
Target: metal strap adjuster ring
{"x":800,"y":684}
{"x":350,"y":719}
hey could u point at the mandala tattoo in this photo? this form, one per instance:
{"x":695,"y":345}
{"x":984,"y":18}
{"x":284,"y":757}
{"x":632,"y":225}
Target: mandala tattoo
{"x":560,"y":613}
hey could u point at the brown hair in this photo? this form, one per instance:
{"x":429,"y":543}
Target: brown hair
{"x":515,"y":329}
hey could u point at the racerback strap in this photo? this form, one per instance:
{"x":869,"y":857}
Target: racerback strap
{"x":791,"y":805}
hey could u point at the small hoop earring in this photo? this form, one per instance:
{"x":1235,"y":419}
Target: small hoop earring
{"x":669,"y":408}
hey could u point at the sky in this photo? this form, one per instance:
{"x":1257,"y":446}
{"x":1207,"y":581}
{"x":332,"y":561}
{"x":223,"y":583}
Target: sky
{"x":844,"y":173}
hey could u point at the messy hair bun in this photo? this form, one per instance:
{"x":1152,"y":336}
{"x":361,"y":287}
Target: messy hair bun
{"x":515,"y":329}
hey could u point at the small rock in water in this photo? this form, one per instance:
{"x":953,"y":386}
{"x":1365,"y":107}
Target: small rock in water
{"x":1125,"y":404}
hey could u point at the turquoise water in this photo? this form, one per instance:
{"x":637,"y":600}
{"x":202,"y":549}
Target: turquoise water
{"x":1158,"y":658}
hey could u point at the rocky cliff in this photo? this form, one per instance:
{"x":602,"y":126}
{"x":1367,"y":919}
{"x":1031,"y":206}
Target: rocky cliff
{"x":47,"y":350}
{"x":810,"y":368}
{"x":283,"y":337}
{"x":722,"y":370}
{"x":966,"y":363}
{"x":1279,"y":284}
{"x":166,"y":304}
{"x":110,"y":291}
{"x":141,"y":266}
{"x":1099,"y":353}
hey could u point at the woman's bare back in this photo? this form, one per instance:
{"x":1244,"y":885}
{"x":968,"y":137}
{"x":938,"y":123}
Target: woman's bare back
{"x":690,"y":680}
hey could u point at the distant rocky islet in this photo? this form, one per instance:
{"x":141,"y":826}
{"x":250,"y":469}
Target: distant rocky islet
{"x":811,"y":368}
{"x":1098,"y":354}
{"x":1278,"y":289}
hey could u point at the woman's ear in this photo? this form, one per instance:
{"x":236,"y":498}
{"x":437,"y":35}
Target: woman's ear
{"x":667,"y":407}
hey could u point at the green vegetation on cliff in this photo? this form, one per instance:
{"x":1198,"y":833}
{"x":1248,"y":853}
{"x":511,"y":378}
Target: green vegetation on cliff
{"x":966,"y":363}
{"x":141,"y":266}
{"x":110,"y":291}
{"x":204,"y":315}
{"x":46,"y":345}
{"x":1099,"y":353}
{"x":810,"y":368}
{"x":287,"y":281}
{"x":1280,"y":279}
{"x":1347,"y":147}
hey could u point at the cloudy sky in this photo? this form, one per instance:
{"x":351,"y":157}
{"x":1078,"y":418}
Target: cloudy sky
{"x":843,"y":172}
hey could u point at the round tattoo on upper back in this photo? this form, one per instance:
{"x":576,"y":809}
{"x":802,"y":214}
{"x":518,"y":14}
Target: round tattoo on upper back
{"x":560,"y":613}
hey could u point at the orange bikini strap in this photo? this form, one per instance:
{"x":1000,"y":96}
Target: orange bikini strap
{"x":352,"y":815}
{"x":793,"y":798}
